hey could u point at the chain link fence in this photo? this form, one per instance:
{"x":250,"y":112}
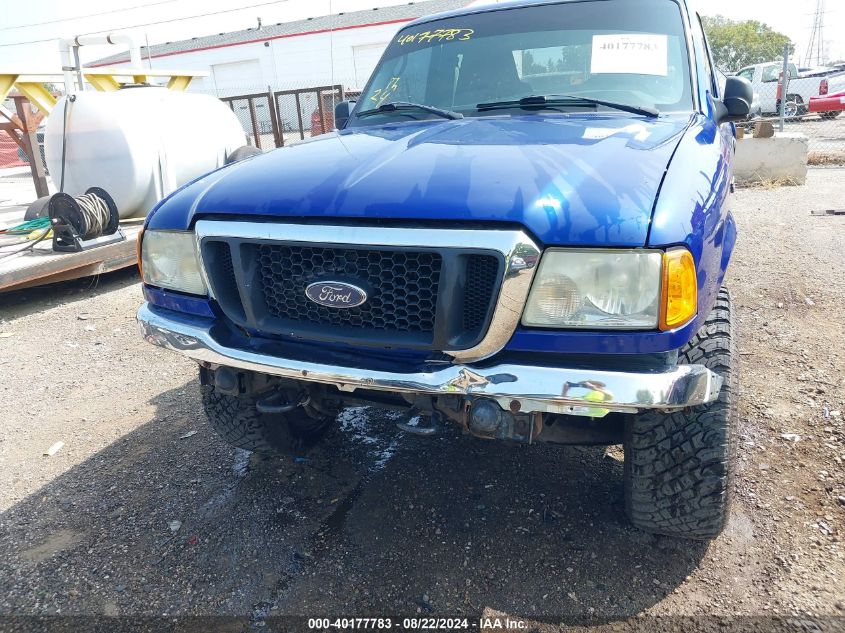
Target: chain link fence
{"x":813,"y":106}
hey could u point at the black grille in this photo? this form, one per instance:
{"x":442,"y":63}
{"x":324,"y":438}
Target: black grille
{"x":227,"y":268}
{"x":402,"y":286}
{"x":417,"y":297}
{"x":222,"y":274}
{"x":482,"y":275}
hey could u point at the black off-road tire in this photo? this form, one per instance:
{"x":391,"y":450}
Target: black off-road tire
{"x":237,"y":420}
{"x":678,"y":466}
{"x":829,"y":116}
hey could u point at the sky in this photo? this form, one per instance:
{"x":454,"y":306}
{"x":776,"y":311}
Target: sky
{"x":34,"y":20}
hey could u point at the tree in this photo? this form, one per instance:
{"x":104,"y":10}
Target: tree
{"x":739,"y":44}
{"x":529,"y":66}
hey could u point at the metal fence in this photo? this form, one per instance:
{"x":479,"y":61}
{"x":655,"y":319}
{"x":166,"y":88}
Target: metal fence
{"x":277,"y":118}
{"x":813,"y":106}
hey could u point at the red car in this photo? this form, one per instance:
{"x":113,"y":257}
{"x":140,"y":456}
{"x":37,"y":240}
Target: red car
{"x":827,"y":105}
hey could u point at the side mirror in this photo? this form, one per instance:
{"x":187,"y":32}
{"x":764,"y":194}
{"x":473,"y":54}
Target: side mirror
{"x":736,"y":101}
{"x":342,"y":112}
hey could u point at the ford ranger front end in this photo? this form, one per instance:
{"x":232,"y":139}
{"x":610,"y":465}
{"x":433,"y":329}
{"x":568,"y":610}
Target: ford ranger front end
{"x":522,"y":228}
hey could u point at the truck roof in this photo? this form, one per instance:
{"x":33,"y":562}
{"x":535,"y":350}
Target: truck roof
{"x":479,"y":7}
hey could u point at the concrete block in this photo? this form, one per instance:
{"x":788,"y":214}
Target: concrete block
{"x":764,"y":129}
{"x":779,"y":159}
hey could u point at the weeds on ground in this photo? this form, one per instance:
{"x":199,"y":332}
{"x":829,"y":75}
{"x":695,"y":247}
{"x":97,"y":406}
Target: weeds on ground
{"x":826,"y":158}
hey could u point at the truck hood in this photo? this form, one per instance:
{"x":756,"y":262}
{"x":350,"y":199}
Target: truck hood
{"x":575,"y":180}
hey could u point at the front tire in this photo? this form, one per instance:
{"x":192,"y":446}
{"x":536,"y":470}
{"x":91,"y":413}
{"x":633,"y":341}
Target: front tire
{"x":678,"y":466}
{"x":238,"y":421}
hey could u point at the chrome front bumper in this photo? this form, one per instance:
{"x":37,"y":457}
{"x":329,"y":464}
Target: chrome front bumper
{"x":547,"y":389}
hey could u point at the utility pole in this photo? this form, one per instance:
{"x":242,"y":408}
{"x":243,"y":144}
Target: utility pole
{"x":816,"y":44}
{"x":784,"y":86}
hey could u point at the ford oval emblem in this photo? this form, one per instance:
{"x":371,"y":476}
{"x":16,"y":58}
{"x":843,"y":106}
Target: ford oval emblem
{"x":335,"y":294}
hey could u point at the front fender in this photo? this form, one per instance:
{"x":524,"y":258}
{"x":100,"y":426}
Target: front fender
{"x":694,"y":207}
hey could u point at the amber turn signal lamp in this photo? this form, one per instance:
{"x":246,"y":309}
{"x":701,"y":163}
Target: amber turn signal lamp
{"x":679,"y":293}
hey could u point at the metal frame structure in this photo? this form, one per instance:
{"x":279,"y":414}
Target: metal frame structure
{"x":277,"y":124}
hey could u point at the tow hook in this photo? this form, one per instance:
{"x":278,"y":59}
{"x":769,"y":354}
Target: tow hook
{"x":433,"y":428}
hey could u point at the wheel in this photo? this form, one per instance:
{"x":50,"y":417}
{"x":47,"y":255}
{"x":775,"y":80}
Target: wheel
{"x":678,"y":466}
{"x":790,"y":109}
{"x":829,"y":116}
{"x":237,"y":420}
{"x":796,"y":103}
{"x":245,"y":151}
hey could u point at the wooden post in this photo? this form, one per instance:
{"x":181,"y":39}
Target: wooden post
{"x":256,"y":132}
{"x":299,"y":115}
{"x":278,"y":137}
{"x":323,"y":129}
{"x":30,"y":140}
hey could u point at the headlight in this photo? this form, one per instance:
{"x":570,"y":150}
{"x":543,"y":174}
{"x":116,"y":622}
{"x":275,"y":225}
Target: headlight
{"x":596,"y":289}
{"x":169,"y":260}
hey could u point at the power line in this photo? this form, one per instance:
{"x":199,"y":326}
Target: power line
{"x":136,"y":26}
{"x":49,"y":39}
{"x":90,"y":15}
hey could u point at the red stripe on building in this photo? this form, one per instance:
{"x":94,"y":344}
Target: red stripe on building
{"x":257,"y":41}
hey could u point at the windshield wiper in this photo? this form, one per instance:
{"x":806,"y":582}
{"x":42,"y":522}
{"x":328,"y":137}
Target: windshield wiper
{"x":400,"y":106}
{"x":542,"y":101}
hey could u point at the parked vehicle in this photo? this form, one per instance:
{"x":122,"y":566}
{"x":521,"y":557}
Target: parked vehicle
{"x":828,"y":106}
{"x":521,"y":228}
{"x":765,"y":80}
{"x":799,"y":93}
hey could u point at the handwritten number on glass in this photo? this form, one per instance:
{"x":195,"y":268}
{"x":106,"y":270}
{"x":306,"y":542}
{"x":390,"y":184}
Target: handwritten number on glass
{"x":380,"y":95}
{"x":439,"y":35}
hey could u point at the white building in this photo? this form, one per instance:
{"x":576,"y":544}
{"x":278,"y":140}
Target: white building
{"x":334,"y":49}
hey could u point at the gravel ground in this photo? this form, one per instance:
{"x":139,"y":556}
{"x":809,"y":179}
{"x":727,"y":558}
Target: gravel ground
{"x":144,"y":512}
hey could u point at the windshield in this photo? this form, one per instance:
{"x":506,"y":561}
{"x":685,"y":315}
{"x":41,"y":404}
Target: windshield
{"x":623,"y":51}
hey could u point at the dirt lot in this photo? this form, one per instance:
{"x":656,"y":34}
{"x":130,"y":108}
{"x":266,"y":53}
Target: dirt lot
{"x":144,"y":512}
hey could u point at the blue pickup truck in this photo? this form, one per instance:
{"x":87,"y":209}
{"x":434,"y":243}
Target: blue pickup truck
{"x":521,"y":228}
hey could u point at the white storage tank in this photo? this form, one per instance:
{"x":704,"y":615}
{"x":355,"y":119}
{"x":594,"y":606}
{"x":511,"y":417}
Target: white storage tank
{"x":138,"y":143}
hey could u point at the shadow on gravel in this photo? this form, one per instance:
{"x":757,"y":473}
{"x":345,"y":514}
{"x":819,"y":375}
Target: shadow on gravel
{"x":167,"y":521}
{"x":19,"y":303}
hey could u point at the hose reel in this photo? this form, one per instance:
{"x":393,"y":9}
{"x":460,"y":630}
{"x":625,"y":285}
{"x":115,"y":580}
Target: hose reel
{"x":83,"y":222}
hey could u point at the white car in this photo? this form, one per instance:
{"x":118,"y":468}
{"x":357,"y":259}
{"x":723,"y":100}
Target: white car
{"x":801,"y":87}
{"x":517,"y":263}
